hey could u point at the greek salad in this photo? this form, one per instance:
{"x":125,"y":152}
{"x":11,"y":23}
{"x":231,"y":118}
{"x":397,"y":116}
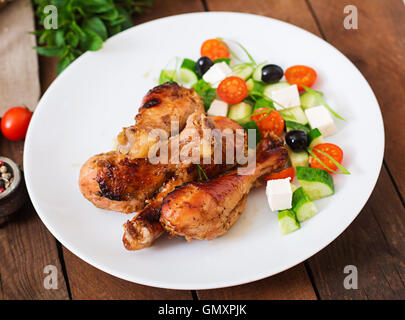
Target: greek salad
{"x":266,"y":98}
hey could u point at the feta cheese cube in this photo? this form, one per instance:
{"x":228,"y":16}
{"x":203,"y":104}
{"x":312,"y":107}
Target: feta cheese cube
{"x":288,"y":97}
{"x":217,"y":73}
{"x":319,"y":117}
{"x":218,"y":108}
{"x":279,"y":194}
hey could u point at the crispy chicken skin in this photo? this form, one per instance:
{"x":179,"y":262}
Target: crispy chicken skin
{"x":115,"y":182}
{"x":205,"y":210}
{"x":161,"y":105}
{"x":145,"y":228}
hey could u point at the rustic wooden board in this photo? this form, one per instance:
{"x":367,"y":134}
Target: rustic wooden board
{"x":292,"y":11}
{"x":293,"y":283}
{"x":375,"y":242}
{"x":18,"y":61}
{"x":87,"y":282}
{"x":165,"y":8}
{"x":377,"y":48}
{"x":26,"y":247}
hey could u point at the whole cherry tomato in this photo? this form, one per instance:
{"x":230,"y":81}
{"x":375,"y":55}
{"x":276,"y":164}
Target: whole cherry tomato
{"x":14,"y":123}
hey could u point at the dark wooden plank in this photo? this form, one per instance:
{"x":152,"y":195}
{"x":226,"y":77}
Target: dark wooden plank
{"x":85,"y":281}
{"x":26,"y":247}
{"x":377,"y":48}
{"x":293,"y":283}
{"x":290,"y":284}
{"x":165,"y":8}
{"x":292,"y":11}
{"x":375,"y":242}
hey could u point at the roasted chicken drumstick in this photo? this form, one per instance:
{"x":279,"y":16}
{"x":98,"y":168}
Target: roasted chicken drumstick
{"x":161,"y":107}
{"x":205,"y":210}
{"x":116,"y":182}
{"x":143,"y":229}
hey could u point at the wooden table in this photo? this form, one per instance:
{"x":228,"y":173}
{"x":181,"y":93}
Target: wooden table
{"x":374,"y":242}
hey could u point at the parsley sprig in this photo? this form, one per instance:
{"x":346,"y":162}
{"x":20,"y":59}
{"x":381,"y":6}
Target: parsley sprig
{"x":83,"y":25}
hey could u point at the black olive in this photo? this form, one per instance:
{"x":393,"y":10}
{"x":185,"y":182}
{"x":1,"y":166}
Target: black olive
{"x":203,"y":64}
{"x":272,"y":73}
{"x":297,"y":140}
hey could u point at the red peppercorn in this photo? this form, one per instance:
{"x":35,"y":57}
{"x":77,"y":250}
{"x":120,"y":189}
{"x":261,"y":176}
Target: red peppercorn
{"x":2,"y":190}
{"x":1,"y":162}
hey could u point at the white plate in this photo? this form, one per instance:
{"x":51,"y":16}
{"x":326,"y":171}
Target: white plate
{"x":88,"y":103}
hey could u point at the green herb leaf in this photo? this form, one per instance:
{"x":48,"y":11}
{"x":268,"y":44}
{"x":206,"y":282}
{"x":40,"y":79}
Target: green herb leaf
{"x":343,"y":169}
{"x":200,"y":169}
{"x":63,"y":63}
{"x":72,"y":39}
{"x":98,"y":6}
{"x":127,"y":23}
{"x":83,"y":25}
{"x":206,"y":92}
{"x":110,"y":15}
{"x":50,"y":51}
{"x":96,"y":25}
{"x":59,"y":38}
{"x":91,"y":41}
{"x":253,"y":126}
{"x":263,"y":103}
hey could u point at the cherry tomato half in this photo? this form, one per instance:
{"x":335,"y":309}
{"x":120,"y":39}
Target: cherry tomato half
{"x":214,"y":49}
{"x":331,"y":149}
{"x":14,"y":123}
{"x":282,"y":174}
{"x":232,"y":90}
{"x":301,"y":76}
{"x":266,"y":121}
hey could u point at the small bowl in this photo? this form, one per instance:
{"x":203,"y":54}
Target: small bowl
{"x":14,"y":196}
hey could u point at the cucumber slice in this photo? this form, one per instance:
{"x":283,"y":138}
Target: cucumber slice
{"x":243,"y":71}
{"x":299,"y":159}
{"x":315,"y":137}
{"x":187,"y":77}
{"x":309,"y":100}
{"x":270,"y":88}
{"x":188,"y":64}
{"x":292,"y":125}
{"x":167,"y":76}
{"x":257,"y":74}
{"x":287,"y":221}
{"x":295,"y":114}
{"x":302,"y":205}
{"x":240,"y":112}
{"x":317,"y":183}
